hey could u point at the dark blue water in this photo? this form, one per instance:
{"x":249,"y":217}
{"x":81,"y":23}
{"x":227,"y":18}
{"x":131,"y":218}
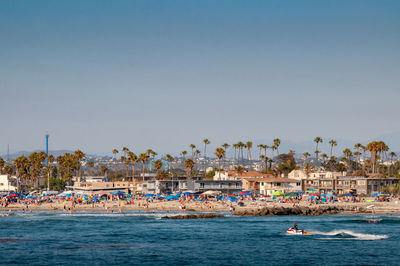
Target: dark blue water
{"x":132,"y":238}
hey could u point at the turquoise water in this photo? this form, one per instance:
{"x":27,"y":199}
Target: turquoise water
{"x":44,"y":238}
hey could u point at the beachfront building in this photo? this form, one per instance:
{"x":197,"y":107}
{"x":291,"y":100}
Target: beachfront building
{"x":104,"y":187}
{"x":301,"y":174}
{"x":234,"y":175}
{"x":349,"y":184}
{"x":267,"y":186}
{"x":93,"y":179}
{"x":8,"y":183}
{"x":164,"y":186}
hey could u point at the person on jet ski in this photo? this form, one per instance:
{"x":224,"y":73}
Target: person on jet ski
{"x":295,"y":226}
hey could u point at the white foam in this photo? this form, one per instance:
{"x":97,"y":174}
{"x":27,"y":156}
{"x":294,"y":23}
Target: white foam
{"x":354,"y":235}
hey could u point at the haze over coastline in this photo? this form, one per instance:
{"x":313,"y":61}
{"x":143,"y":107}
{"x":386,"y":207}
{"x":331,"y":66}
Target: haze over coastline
{"x":100,"y":75}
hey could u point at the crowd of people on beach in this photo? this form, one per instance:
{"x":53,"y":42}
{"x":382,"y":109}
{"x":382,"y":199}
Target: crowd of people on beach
{"x":187,"y":201}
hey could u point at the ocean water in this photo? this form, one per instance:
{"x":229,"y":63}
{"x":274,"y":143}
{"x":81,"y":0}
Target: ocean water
{"x":44,"y":238}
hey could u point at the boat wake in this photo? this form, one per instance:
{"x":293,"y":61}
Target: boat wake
{"x":347,"y":235}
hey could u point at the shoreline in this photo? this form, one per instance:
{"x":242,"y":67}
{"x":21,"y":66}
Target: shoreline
{"x":250,"y":209}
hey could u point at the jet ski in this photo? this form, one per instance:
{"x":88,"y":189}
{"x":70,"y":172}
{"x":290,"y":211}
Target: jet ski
{"x":292,"y":231}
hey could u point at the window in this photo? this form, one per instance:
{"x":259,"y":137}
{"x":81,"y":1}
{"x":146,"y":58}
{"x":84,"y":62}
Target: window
{"x":201,"y":185}
{"x":278,"y":184}
{"x":297,"y":184}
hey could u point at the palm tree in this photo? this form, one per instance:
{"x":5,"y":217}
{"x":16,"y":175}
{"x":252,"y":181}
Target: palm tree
{"x":317,"y":140}
{"x":2,"y":164}
{"x":241,"y":145}
{"x":169,"y":159}
{"x":132,"y":158}
{"x":333,"y":143}
{"x":143,"y":158}
{"x":249,"y":146}
{"x":157,"y":165}
{"x":324,"y":156}
{"x":277,"y":143}
{"x":123,"y":159}
{"x":306,"y":155}
{"x":220,"y":153}
{"x":79,"y":155}
{"x":392,"y":155}
{"x":239,"y":170}
{"x":260,"y":146}
{"x":114,"y":151}
{"x":125,"y":150}
{"x":206,"y":142}
{"x":192,"y":146}
{"x":225,"y":146}
{"x":273,"y":147}
{"x":183,"y":153}
{"x":235,"y":147}
{"x":197,"y":153}
{"x":189,"y":163}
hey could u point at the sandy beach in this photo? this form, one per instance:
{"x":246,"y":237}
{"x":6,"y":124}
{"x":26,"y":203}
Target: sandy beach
{"x":392,"y":207}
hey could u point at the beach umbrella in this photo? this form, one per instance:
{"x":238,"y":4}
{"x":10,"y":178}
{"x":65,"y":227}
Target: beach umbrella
{"x":375,"y":195}
{"x":278,"y":193}
{"x":13,"y":195}
{"x":148,"y":195}
{"x":31,"y":197}
{"x":311,"y":190}
{"x":243,"y":192}
{"x":299,"y":192}
{"x":231,"y":199}
{"x":172,"y":197}
{"x":231,"y":195}
{"x":384,"y":194}
{"x":187,"y":193}
{"x":291,"y":194}
{"x":349,"y":195}
{"x":316,"y":194}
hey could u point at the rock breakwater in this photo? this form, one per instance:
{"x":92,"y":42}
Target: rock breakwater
{"x":319,"y":210}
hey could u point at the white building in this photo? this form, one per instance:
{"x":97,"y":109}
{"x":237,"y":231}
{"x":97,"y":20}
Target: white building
{"x":234,"y":175}
{"x":8,"y":183}
{"x":301,"y":174}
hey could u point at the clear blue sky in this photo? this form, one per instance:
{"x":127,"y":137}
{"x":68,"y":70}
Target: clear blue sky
{"x":163,"y":74}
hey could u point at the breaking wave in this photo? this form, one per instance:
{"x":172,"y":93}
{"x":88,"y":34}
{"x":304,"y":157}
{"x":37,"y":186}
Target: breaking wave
{"x":348,"y":235}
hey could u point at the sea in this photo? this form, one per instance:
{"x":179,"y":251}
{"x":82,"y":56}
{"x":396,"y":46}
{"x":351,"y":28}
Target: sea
{"x":137,"y":238}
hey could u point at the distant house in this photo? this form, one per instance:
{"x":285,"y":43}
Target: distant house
{"x":301,"y":174}
{"x":267,"y":186}
{"x":163,"y":186}
{"x":234,"y":175}
{"x":8,"y":183}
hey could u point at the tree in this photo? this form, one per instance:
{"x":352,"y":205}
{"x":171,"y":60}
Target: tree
{"x":249,"y":146}
{"x":225,"y":146}
{"x":79,"y":155}
{"x":183,"y":153}
{"x":132,"y":158}
{"x":206,"y":142}
{"x":192,"y":146}
{"x":306,"y":155}
{"x":2,"y":164}
{"x":124,"y":160}
{"x":239,"y":170}
{"x":144,"y":158}
{"x":277,"y":143}
{"x":317,"y":140}
{"x":324,"y":156}
{"x":21,"y":165}
{"x":333,"y":143}
{"x":220,"y":153}
{"x":158,"y":165}
{"x":114,"y":151}
{"x":392,"y":155}
{"x":170,"y":159}
{"x":189,"y":164}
